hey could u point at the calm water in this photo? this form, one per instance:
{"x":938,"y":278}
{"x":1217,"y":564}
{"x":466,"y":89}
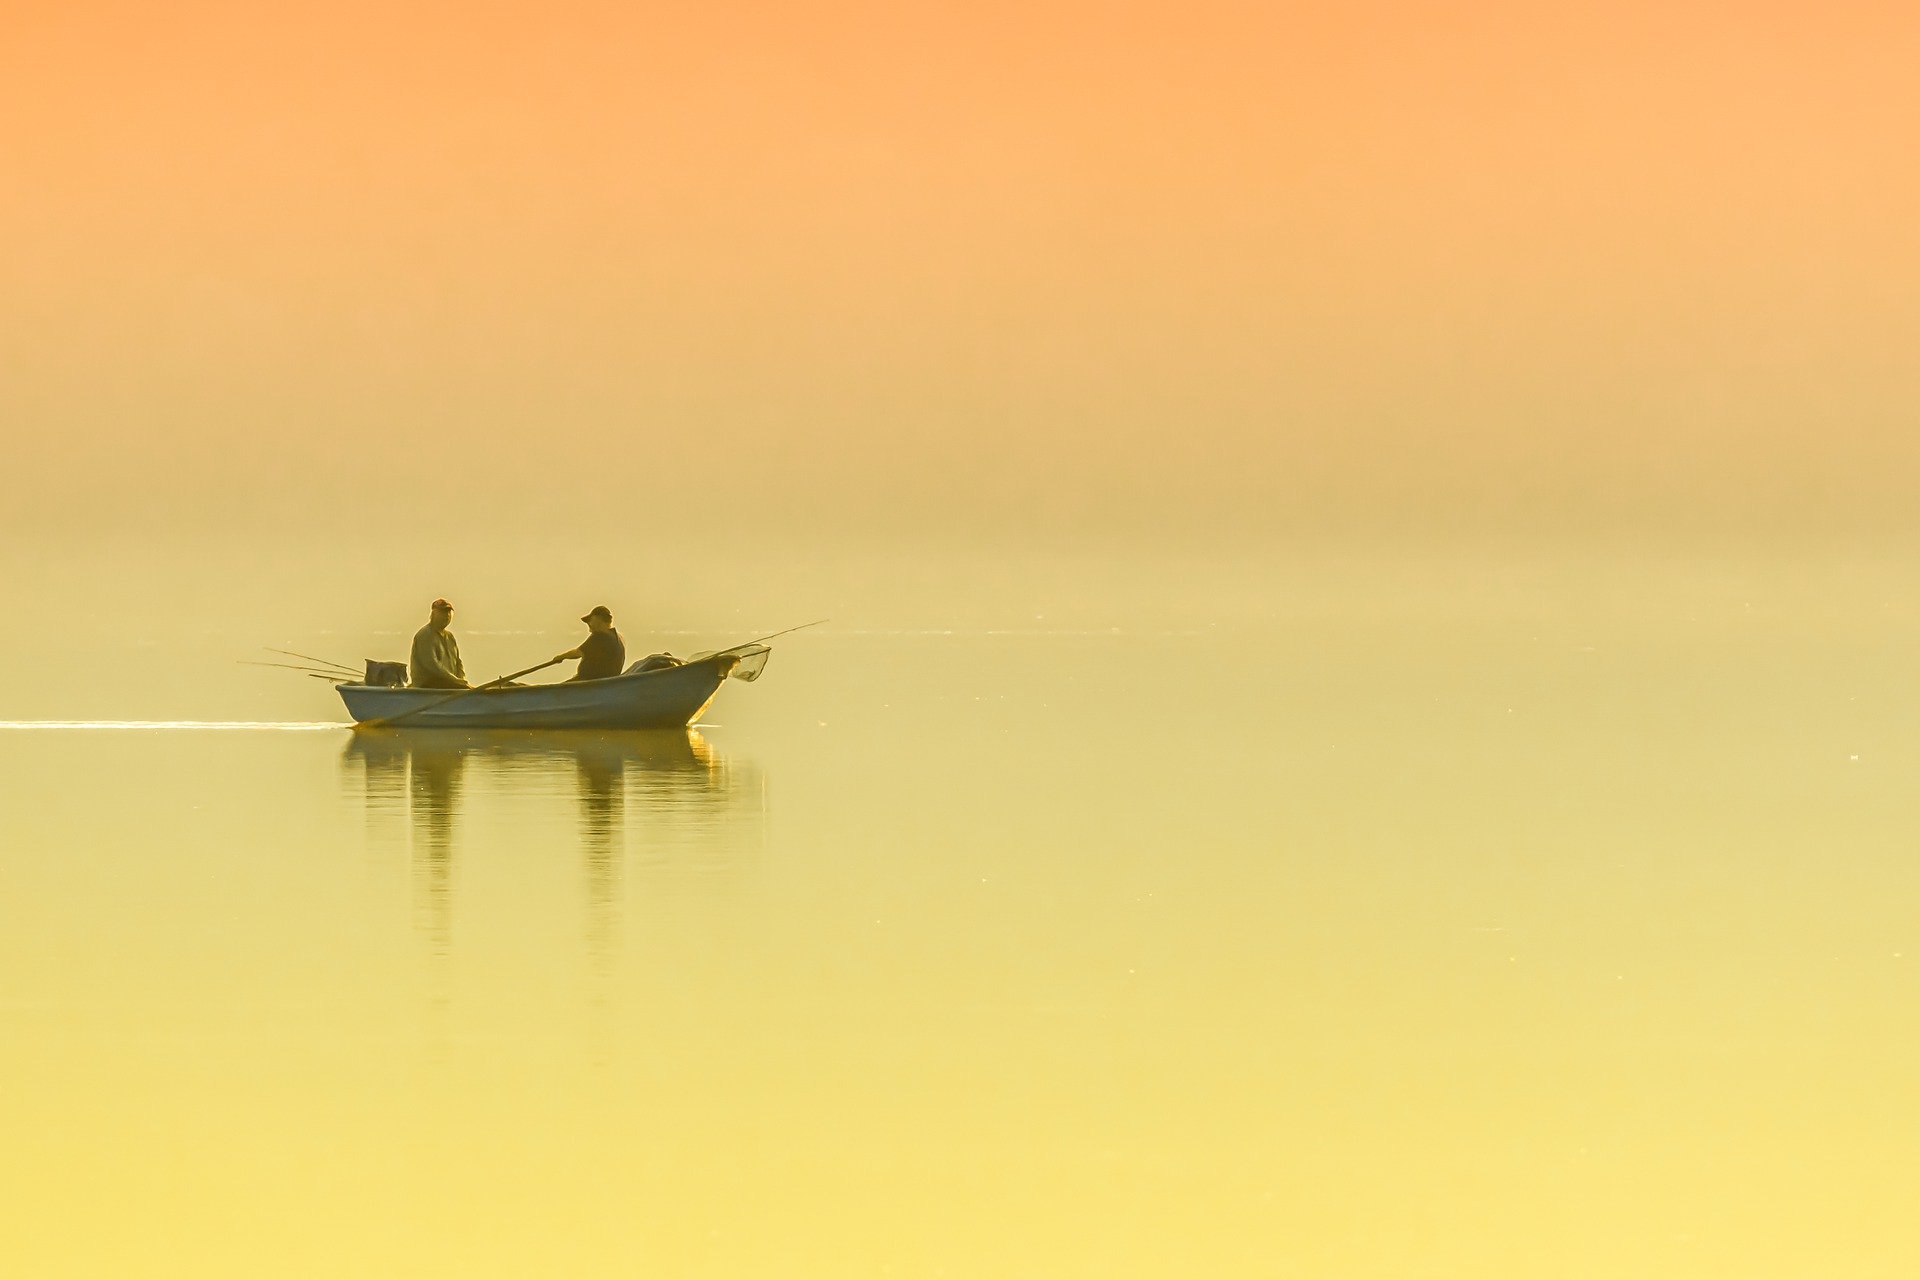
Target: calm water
{"x":1462,"y":939}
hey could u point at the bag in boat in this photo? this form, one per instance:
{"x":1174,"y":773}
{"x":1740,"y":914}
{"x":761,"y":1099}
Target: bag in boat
{"x":386,"y":675}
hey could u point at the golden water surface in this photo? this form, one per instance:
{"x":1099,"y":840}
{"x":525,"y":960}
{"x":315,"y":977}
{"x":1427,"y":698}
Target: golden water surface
{"x":1450,"y":934}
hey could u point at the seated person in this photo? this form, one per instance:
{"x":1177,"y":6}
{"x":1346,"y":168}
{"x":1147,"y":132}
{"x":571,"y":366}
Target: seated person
{"x":602,"y":653}
{"x":435,"y":661}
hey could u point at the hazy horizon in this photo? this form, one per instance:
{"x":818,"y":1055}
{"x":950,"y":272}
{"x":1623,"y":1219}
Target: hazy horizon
{"x":1367,"y":723}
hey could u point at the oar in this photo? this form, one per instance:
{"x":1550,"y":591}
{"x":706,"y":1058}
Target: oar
{"x":441,"y":702}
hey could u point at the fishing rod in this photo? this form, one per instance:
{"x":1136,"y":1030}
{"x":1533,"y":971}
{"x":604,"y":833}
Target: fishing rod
{"x":288,"y":666}
{"x":763,"y":639}
{"x":307,"y":657}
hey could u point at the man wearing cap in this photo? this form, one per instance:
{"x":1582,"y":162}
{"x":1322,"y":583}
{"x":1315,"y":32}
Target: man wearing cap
{"x":602,"y":653}
{"x":435,"y":662}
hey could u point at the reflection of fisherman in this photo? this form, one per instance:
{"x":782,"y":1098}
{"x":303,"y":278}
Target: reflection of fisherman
{"x":436,"y":654}
{"x":603,"y":653}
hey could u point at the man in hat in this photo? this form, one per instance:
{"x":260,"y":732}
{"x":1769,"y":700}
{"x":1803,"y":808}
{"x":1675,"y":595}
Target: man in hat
{"x":435,"y":662}
{"x":602,"y":653}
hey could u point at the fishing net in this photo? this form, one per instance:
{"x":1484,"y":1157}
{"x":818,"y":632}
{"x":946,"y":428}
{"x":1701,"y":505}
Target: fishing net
{"x":753,"y":660}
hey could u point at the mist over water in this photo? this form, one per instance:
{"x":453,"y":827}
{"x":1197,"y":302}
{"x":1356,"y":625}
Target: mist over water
{"x":1358,"y":911}
{"x":1367,"y":723}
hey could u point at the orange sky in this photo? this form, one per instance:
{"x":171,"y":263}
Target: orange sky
{"x":1151,"y":270}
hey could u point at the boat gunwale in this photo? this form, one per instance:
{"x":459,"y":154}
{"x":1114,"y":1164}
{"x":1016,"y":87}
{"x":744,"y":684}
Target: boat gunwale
{"x":497,"y":690}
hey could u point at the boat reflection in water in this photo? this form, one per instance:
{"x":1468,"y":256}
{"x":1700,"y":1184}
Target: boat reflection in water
{"x":663,"y":801}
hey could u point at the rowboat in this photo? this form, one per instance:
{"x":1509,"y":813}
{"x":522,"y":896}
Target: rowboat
{"x":668,"y":698}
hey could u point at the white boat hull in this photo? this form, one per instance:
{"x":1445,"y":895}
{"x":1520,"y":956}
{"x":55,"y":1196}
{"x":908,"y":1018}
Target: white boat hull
{"x":667,"y":699}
